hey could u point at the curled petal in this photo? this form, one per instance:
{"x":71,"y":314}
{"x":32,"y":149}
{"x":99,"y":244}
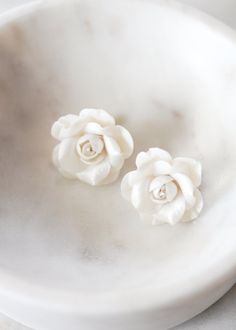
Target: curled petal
{"x":57,"y":164}
{"x":95,"y":141}
{"x":171,"y":191}
{"x":160,"y":181}
{"x":123,"y":138}
{"x":95,"y":174}
{"x":114,"y":152}
{"x":93,"y":128}
{"x":97,"y":115}
{"x":194,"y":212}
{"x":127,"y":183}
{"x":172,"y":212}
{"x":66,"y":157}
{"x":125,"y":141}
{"x":140,"y":197}
{"x":97,"y":145}
{"x":153,"y":154}
{"x":186,"y":187}
{"x":66,"y":127}
{"x":190,"y":167}
{"x":161,"y":168}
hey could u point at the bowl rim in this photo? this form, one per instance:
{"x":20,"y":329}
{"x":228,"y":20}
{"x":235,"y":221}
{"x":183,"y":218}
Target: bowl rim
{"x":131,"y":300}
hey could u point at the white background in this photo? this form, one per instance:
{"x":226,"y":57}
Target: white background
{"x":221,"y":316}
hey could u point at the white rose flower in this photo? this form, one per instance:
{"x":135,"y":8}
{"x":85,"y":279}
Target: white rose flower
{"x":92,"y":147}
{"x":162,"y":189}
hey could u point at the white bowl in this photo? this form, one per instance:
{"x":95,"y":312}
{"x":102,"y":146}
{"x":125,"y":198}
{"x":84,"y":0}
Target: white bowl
{"x":77,"y":257}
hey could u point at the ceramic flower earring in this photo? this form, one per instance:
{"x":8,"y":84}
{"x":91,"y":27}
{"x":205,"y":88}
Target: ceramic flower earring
{"x":163,"y":189}
{"x":92,"y":147}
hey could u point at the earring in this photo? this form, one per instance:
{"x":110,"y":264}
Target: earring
{"x":162,"y":189}
{"x":92,"y":147}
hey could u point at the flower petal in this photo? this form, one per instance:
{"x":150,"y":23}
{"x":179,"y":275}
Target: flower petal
{"x":125,"y":141}
{"x":194,"y":212}
{"x":66,"y":127}
{"x":93,"y":128}
{"x":153,"y":154}
{"x":187,"y":188}
{"x":171,"y":191}
{"x":140,"y":197}
{"x":95,"y":174}
{"x":96,"y":142}
{"x":123,"y":138}
{"x":127,"y":183}
{"x":67,"y":157}
{"x":55,"y":156}
{"x":190,"y":167}
{"x":159,"y":181}
{"x":113,"y":152}
{"x":57,"y":164}
{"x":161,"y":168}
{"x":97,"y":115}
{"x":172,"y":212}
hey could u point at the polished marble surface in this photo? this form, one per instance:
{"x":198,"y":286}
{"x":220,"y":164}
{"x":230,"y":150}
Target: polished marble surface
{"x":225,"y":10}
{"x":220,"y":316}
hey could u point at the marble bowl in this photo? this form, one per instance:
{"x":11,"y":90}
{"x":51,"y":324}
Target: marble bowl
{"x":77,"y":257}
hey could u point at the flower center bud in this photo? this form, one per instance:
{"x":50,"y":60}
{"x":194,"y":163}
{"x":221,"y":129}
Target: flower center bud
{"x":87,"y":150}
{"x":163,"y":189}
{"x":160,"y":194}
{"x":90,"y":148}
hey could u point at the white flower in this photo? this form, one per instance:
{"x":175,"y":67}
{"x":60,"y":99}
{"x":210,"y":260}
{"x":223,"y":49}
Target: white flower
{"x":162,"y":189}
{"x":92,"y":147}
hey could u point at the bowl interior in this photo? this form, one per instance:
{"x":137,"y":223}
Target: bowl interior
{"x":169,"y":79}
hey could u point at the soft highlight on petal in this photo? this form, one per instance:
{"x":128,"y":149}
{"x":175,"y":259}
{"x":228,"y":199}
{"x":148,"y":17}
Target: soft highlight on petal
{"x":123,"y":138}
{"x":190,"y":167}
{"x":171,"y":191}
{"x":140,"y":197}
{"x":66,"y":127}
{"x":159,"y":181}
{"x":127,"y":183}
{"x":68,"y":159}
{"x":125,"y":141}
{"x":172,"y":212}
{"x":95,"y":174}
{"x":153,"y":154}
{"x":93,"y":128}
{"x":97,"y":115}
{"x":194,"y":212}
{"x":161,"y":167}
{"x":186,"y":187}
{"x":114,"y":152}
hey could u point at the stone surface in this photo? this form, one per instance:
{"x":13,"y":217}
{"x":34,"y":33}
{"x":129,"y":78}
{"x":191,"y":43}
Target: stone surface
{"x":88,"y":253}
